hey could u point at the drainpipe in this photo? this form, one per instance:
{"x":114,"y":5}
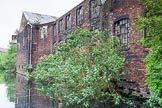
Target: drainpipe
{"x":30,"y":52}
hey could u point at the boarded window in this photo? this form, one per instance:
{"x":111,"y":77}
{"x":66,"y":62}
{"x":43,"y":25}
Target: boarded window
{"x":122,"y":30}
{"x":79,"y":15}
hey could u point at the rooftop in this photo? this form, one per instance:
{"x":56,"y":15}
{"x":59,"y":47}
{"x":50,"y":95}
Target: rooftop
{"x":35,"y":18}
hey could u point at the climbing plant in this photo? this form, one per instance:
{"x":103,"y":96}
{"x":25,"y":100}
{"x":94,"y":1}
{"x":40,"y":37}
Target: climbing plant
{"x":152,"y":24}
{"x":86,"y":68}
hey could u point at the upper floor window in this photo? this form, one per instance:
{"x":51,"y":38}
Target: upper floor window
{"x":94,"y":14}
{"x":60,"y":26}
{"x":68,"y":22}
{"x":79,"y":15}
{"x":43,"y":32}
{"x":122,"y":30}
{"x":54,"y":33}
{"x":94,"y":9}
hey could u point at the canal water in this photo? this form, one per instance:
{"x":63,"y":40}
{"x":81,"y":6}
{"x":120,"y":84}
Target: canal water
{"x":4,"y":101}
{"x":7,"y":90}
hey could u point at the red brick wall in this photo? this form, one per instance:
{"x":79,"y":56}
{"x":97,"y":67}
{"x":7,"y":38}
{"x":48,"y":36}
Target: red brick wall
{"x":135,"y":67}
{"x":110,"y":12}
{"x":72,"y":12}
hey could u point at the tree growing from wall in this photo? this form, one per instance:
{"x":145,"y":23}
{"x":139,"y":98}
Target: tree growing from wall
{"x":86,"y":68}
{"x":152,"y":24}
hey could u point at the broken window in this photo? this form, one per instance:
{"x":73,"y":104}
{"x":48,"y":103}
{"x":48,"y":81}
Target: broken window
{"x":94,"y":15}
{"x":68,"y":22}
{"x":54,"y":33}
{"x":94,"y":9}
{"x":79,"y":15}
{"x":43,"y":32}
{"x":60,"y":29}
{"x":122,"y":30}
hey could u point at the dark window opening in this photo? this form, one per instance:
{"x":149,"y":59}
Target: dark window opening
{"x":122,"y":31}
{"x":79,"y":16}
{"x":68,"y":22}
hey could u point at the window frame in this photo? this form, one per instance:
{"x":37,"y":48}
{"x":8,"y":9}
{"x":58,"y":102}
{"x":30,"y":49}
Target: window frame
{"x":60,"y":30}
{"x":60,"y":26}
{"x":54,"y":33}
{"x":43,"y":32}
{"x":68,"y":22}
{"x":79,"y":15}
{"x":94,"y":13}
{"x":121,"y":29}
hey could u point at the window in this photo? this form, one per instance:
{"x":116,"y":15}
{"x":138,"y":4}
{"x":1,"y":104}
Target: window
{"x":34,"y":48}
{"x":122,"y":30}
{"x":60,"y":29}
{"x":79,"y":15}
{"x":68,"y":22}
{"x":23,"y":42}
{"x":43,"y":32}
{"x":54,"y":33}
{"x":94,"y":15}
{"x":94,"y":9}
{"x":60,"y":26}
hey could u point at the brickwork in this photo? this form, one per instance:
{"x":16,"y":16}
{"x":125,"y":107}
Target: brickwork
{"x":135,"y":67}
{"x":32,"y":46}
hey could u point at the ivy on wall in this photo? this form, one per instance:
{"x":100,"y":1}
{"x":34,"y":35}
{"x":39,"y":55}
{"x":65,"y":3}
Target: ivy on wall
{"x":152,"y":24}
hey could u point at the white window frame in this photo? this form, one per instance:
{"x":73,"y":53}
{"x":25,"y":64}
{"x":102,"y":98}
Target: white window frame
{"x":44,"y":32}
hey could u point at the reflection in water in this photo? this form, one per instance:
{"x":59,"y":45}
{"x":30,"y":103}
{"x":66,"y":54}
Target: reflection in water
{"x":7,"y":90}
{"x":4,"y":101}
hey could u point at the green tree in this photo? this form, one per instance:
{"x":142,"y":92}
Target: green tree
{"x":7,"y":67}
{"x":152,"y":23}
{"x":86,"y":68}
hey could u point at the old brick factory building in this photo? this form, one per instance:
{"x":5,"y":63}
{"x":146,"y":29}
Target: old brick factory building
{"x":40,"y":35}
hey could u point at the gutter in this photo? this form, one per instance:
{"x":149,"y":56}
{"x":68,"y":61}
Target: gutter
{"x":30,"y":37}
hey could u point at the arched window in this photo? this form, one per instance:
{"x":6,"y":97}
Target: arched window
{"x":122,"y":30}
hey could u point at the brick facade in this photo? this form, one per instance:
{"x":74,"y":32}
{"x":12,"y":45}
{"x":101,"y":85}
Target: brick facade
{"x":32,"y":46}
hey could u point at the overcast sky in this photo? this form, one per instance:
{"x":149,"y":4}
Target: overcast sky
{"x":11,"y":12}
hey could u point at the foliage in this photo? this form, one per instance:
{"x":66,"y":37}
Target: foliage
{"x":1,"y":78}
{"x":152,"y":23}
{"x":86,"y":68}
{"x":7,"y":66}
